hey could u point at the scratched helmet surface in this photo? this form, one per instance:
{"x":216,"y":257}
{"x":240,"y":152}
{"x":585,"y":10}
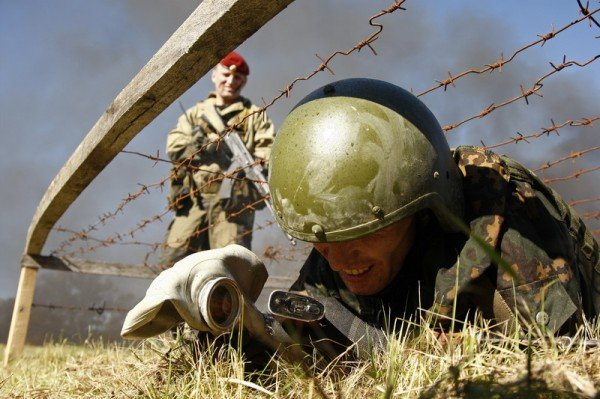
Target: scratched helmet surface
{"x":358,"y":155}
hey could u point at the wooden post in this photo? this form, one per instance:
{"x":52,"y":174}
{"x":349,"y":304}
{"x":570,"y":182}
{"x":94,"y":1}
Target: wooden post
{"x":21,"y":312}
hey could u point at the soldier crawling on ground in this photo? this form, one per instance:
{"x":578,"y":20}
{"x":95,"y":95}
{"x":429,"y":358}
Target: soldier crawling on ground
{"x":202,"y":219}
{"x":401,"y":226}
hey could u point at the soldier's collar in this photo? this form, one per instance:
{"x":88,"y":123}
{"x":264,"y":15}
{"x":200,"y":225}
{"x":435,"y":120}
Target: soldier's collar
{"x":225,"y":109}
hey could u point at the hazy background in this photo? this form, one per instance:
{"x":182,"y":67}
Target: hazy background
{"x":62,"y":62}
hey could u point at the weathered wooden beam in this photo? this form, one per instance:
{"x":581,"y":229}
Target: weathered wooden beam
{"x":215,"y":28}
{"x":78,"y":265}
{"x":279,"y":282}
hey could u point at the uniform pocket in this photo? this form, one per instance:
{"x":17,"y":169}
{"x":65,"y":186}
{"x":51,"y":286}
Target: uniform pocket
{"x":208,"y":178}
{"x":545,"y":302}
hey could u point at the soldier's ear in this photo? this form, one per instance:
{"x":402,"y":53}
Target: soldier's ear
{"x":244,"y":79}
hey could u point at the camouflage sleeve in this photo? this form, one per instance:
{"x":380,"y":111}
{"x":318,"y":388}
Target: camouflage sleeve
{"x":264,"y":135}
{"x":181,"y":142}
{"x":549,"y":259}
{"x":570,"y":252}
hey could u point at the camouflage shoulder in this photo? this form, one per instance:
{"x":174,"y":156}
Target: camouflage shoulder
{"x":248,"y":103}
{"x":467,"y":157}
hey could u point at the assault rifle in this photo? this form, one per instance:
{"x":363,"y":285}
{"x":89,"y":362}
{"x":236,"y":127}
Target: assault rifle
{"x":241,"y":159}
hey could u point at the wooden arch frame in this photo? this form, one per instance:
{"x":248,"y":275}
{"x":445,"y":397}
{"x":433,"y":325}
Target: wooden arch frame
{"x":214,"y":29}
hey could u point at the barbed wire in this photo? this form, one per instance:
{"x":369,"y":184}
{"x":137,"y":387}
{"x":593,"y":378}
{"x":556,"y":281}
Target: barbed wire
{"x":545,"y":132}
{"x":498,"y":64}
{"x":102,"y":219}
{"x":525,"y":94}
{"x":161,"y":245}
{"x":590,"y":215}
{"x":573,"y":155}
{"x":173,"y":204}
{"x":99,"y":309}
{"x":118,"y":237}
{"x":584,"y":201}
{"x":585,"y":11}
{"x":574,"y":175}
{"x":366,"y":42}
{"x":117,"y":240}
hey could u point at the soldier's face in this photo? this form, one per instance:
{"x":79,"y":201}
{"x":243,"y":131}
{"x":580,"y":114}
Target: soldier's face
{"x":367,"y":265}
{"x":228,"y":84}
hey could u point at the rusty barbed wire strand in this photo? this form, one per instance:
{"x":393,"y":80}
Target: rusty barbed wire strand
{"x":498,"y":64}
{"x":76,"y":235}
{"x":575,"y":175}
{"x":573,"y":155}
{"x":590,"y":215}
{"x":258,"y":227}
{"x":118,"y":237}
{"x":83,"y":234}
{"x":585,"y":11}
{"x":583,"y":201}
{"x":161,"y":245}
{"x":98,"y":309}
{"x":537,"y":86}
{"x":367,"y":42}
{"x":545,"y":131}
{"x":118,"y":240}
{"x":248,"y":207}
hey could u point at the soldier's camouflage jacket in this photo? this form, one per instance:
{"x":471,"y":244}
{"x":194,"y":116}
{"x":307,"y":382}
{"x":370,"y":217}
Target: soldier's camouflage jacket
{"x":553,"y":255}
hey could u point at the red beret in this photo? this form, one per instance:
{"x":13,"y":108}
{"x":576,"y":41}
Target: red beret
{"x":235,"y":62}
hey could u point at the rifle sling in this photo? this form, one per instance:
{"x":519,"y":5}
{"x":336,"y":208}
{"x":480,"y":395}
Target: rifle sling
{"x":364,"y":336}
{"x":212,"y":117}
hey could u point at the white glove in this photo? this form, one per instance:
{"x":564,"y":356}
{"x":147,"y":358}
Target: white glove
{"x":174,"y":295}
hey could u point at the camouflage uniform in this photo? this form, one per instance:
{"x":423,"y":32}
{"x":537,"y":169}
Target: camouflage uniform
{"x":194,"y":191}
{"x":552,"y":253}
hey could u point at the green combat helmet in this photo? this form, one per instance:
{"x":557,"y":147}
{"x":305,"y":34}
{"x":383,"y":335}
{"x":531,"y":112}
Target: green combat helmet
{"x":358,"y":155}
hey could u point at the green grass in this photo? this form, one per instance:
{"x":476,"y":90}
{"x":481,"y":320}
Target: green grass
{"x":421,"y":367}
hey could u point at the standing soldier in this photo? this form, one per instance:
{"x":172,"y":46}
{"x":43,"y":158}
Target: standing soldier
{"x":203,"y":220}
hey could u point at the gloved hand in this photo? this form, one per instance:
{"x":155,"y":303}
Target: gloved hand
{"x":174,"y":295}
{"x":210,"y":144}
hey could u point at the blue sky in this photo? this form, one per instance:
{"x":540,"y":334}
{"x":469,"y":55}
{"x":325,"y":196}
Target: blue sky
{"x":62,"y":62}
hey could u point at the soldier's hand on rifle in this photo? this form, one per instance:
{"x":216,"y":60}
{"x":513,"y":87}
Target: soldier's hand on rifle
{"x":207,"y":143}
